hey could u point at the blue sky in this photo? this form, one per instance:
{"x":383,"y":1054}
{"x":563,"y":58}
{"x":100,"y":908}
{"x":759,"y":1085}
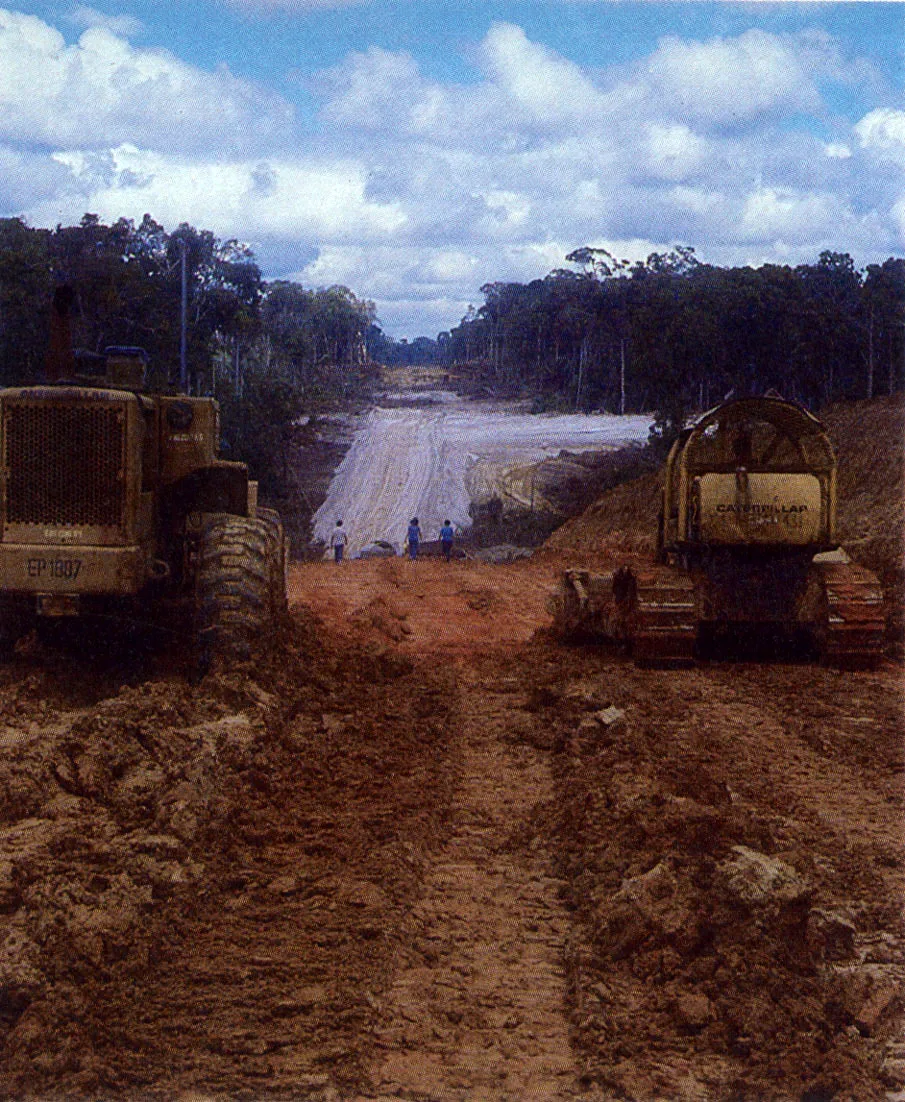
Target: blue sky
{"x":416,"y":149}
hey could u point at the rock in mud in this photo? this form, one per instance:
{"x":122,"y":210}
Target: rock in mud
{"x":693,"y":1011}
{"x":603,"y":726}
{"x":759,"y":882}
{"x":646,"y":907}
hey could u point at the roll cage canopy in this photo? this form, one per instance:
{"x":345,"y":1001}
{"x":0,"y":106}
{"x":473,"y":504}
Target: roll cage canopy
{"x":766,"y":434}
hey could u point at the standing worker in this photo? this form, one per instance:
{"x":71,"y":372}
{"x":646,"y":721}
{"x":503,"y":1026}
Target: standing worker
{"x":338,"y":540}
{"x":446,"y":539}
{"x":413,"y":538}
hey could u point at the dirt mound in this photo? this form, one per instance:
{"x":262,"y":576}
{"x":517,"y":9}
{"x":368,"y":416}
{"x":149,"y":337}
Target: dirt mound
{"x":869,"y":438}
{"x":570,"y":482}
{"x":623,"y":519}
{"x":427,"y":605}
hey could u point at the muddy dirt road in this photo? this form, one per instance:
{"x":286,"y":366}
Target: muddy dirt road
{"x":419,"y":851}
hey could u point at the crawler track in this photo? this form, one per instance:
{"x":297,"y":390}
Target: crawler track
{"x":852,"y":626}
{"x":665,"y":618}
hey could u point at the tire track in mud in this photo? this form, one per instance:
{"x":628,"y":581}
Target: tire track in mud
{"x":477,"y":1006}
{"x":836,"y":762}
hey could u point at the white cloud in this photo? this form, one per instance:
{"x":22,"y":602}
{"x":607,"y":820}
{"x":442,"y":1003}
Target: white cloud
{"x":507,"y":210}
{"x":772,"y":213}
{"x":102,"y":92}
{"x":528,"y":90}
{"x":233,"y":198}
{"x":729,"y":81}
{"x":370,"y":90}
{"x":535,"y":80}
{"x":882,"y":132}
{"x":898,"y":212}
{"x":124,"y":25}
{"x":674,"y":152}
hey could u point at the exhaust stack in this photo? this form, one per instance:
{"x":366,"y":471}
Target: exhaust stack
{"x":60,"y":361}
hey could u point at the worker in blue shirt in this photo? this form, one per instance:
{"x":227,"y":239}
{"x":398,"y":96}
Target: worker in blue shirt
{"x":413,"y":538}
{"x":338,"y":541}
{"x":446,"y":539}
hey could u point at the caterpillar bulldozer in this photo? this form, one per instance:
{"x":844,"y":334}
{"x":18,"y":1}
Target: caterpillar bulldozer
{"x":114,"y":503}
{"x":746,"y":538}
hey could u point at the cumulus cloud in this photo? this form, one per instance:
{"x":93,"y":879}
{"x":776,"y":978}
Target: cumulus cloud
{"x":732,"y":81}
{"x":782,"y":213}
{"x":534,"y":80}
{"x":316,"y":199}
{"x":124,"y":25}
{"x":674,"y":152}
{"x":370,"y":90}
{"x":528,"y":91}
{"x":102,"y":92}
{"x":882,"y":132}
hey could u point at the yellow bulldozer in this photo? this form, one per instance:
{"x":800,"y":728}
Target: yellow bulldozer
{"x":746,"y":536}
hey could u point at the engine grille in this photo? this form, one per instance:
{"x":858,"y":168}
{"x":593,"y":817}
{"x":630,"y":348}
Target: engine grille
{"x":65,"y":464}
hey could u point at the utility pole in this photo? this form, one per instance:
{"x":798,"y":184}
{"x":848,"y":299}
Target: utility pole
{"x":183,"y":367}
{"x":582,"y":356}
{"x":622,"y":376}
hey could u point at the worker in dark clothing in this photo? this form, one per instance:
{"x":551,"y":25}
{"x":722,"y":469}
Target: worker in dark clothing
{"x":413,"y":538}
{"x":446,"y":539}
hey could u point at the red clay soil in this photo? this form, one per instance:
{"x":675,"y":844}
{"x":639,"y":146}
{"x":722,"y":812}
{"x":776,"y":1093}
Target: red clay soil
{"x":419,"y":849}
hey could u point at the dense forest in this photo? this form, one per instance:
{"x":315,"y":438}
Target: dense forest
{"x":671,"y":334}
{"x":667,"y":335}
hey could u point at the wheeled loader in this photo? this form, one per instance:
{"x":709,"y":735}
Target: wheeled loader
{"x":746,"y":537}
{"x":114,"y":503}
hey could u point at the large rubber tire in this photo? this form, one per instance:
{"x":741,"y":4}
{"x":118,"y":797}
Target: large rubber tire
{"x":278,"y":550}
{"x":238,"y":584}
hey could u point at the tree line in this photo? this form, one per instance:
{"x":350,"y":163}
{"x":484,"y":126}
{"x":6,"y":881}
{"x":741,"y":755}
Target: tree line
{"x":667,"y":335}
{"x":672,"y":334}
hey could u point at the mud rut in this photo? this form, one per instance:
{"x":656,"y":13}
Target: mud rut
{"x":476,"y":1004}
{"x":477,"y":1010}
